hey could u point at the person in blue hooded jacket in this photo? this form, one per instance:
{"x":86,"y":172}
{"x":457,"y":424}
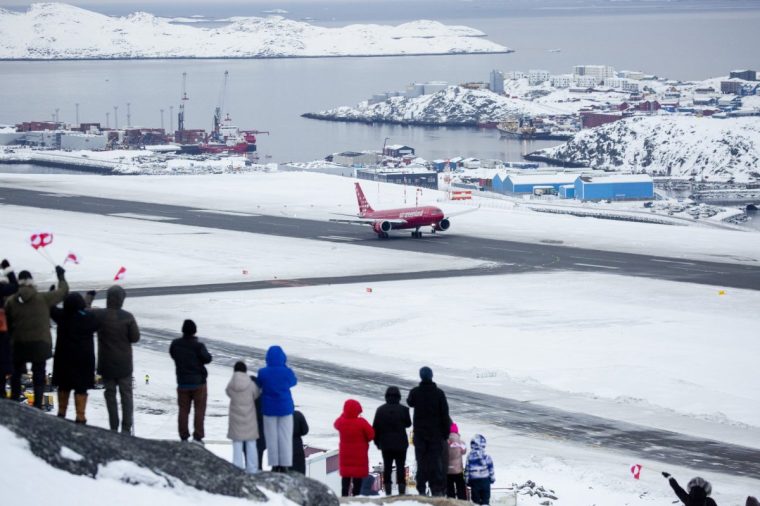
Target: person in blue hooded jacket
{"x":276,"y":380}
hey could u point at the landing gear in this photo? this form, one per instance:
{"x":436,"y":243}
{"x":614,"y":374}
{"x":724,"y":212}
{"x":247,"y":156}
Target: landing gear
{"x":417,"y":234}
{"x":382,"y":235}
{"x":432,"y":231}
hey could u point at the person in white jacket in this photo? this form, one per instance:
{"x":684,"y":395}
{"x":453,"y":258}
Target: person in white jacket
{"x":243,"y":428}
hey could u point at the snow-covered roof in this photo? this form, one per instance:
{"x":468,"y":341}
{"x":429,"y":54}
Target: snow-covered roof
{"x":542,"y":178}
{"x":621,"y":178}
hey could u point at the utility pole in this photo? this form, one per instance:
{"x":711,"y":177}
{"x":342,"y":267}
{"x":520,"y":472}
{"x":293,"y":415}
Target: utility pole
{"x":171,"y":118}
{"x":56,"y":114}
{"x":76,"y":107}
{"x":116,"y":117}
{"x":162,"y":119}
{"x":129,"y":115}
{"x":108,"y":120}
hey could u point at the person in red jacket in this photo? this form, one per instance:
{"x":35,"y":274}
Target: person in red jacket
{"x":355,"y":434}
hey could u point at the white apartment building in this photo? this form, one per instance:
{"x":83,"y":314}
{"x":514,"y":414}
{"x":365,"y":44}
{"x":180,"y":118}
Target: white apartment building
{"x":515,"y":74}
{"x":537,"y":76}
{"x":599,"y":72}
{"x":586,"y":81}
{"x":562,"y":80}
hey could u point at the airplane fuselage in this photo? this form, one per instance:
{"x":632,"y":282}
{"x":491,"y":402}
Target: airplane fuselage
{"x":414,"y":217}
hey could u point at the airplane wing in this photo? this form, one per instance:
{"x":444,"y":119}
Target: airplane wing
{"x":464,"y":211}
{"x":364,"y":221}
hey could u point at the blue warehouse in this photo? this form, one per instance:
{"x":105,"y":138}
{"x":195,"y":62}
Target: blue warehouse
{"x":623,"y":187}
{"x":512,"y":183}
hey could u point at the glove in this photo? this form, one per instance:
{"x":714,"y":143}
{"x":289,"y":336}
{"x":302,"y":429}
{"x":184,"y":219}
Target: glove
{"x":52,"y":288}
{"x":666,"y":475}
{"x":59,"y":271}
{"x":5,"y":264}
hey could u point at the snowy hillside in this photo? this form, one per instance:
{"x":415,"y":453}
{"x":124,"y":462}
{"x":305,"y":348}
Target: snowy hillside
{"x":453,"y":106}
{"x":58,"y":31}
{"x":718,"y":149}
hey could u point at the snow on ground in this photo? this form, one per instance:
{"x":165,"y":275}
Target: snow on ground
{"x":29,"y":479}
{"x":580,"y":476}
{"x":317,"y":196}
{"x":157,"y":253}
{"x":57,"y":30}
{"x":641,"y":350}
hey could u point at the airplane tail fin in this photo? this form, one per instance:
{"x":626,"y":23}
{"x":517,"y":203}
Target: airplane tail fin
{"x":364,"y":206}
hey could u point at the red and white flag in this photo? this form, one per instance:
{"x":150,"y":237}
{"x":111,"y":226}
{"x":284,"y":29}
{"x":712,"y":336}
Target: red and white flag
{"x":120,"y":274}
{"x":636,"y":471}
{"x":71,"y":257}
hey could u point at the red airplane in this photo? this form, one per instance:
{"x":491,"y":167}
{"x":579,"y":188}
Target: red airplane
{"x":415,"y":218}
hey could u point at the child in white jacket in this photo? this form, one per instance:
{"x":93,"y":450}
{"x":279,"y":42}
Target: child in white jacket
{"x":243,"y":428}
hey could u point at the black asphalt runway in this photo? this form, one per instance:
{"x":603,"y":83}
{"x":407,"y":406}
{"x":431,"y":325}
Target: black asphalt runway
{"x":522,"y":417}
{"x":516,"y":256}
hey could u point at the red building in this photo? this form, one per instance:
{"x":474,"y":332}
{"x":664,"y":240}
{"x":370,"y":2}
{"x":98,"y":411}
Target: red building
{"x":591,"y":119}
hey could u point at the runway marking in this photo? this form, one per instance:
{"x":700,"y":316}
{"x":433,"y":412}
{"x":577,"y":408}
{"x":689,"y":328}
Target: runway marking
{"x":338,"y":238}
{"x":57,"y":195}
{"x":597,"y":266}
{"x":672,"y":261}
{"x":226,"y":213}
{"x":594,"y":259}
{"x":506,"y":249}
{"x":136,"y":216}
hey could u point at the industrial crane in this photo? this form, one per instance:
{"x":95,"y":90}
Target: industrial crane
{"x":181,"y":114}
{"x":215,"y":135}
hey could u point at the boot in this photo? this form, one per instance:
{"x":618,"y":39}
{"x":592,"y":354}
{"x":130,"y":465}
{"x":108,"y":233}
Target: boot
{"x":80,"y":402}
{"x":388,"y":488}
{"x":402,"y":488}
{"x":63,"y":402}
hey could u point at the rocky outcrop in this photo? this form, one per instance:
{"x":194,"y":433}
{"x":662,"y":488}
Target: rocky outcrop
{"x":88,"y":451}
{"x":60,"y":31}
{"x":681,"y":146}
{"x":453,"y":106}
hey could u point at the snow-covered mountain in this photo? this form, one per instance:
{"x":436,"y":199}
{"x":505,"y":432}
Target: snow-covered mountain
{"x":720,"y":149}
{"x":61,"y":31}
{"x":454,"y":105}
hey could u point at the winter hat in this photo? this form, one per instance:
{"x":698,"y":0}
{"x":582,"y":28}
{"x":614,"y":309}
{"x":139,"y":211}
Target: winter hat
{"x":240,"y":367}
{"x":701,"y":483}
{"x":25,"y":278}
{"x":189,"y":328}
{"x":426,"y":374}
{"x":454,"y":429}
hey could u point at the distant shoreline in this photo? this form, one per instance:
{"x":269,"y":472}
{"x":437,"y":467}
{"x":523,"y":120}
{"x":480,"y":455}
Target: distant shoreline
{"x":263,"y":57}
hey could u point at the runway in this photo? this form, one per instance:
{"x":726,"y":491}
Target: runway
{"x":509,"y":257}
{"x":522,"y":417}
{"x":515,"y":256}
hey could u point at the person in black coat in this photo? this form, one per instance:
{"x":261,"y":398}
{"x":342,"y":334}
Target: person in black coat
{"x":6,"y":289}
{"x":431,"y":425}
{"x":190,"y":359}
{"x":300,"y":429}
{"x":261,"y":442}
{"x":74,"y":358}
{"x":698,"y":493}
{"x":390,"y":424}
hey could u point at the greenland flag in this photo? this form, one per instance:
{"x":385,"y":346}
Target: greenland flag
{"x":120,"y":274}
{"x":636,"y":471}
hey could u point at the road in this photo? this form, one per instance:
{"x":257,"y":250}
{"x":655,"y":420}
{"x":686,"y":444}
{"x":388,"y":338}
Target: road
{"x":516,"y":256}
{"x":522,"y":417}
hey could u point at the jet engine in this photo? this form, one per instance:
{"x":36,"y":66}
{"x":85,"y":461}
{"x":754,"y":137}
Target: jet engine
{"x":443,"y":225}
{"x":382,"y":226}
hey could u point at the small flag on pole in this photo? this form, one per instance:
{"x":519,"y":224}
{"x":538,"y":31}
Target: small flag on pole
{"x":636,"y":471}
{"x":71,"y":257}
{"x":120,"y":274}
{"x":369,"y":290}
